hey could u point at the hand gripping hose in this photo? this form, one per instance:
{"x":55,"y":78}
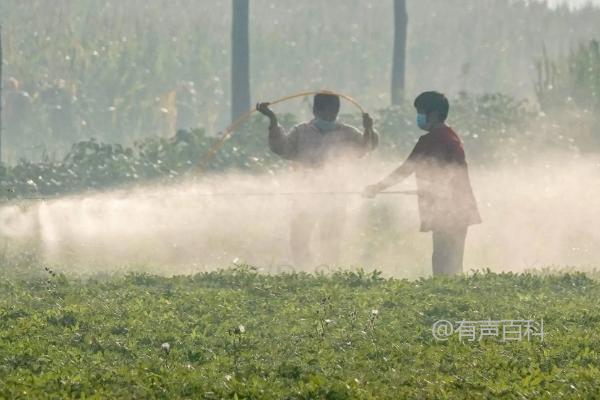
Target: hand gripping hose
{"x":230,"y":130}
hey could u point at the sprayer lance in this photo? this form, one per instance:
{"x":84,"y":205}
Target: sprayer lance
{"x":231,"y":194}
{"x":322,"y":193}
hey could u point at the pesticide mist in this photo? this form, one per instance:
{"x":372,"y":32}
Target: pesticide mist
{"x":544,"y":213}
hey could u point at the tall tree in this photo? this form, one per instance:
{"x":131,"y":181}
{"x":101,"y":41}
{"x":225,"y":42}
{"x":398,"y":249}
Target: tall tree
{"x":240,"y":59}
{"x":399,"y":61}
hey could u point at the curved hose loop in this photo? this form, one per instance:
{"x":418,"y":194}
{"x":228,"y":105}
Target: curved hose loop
{"x":230,"y":130}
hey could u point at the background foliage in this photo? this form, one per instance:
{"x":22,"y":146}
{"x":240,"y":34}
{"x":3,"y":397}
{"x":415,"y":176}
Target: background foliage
{"x":123,"y":71}
{"x":495,"y":128}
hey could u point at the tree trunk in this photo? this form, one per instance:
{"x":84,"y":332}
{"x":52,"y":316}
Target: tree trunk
{"x":240,"y":59}
{"x":1,"y":85}
{"x":399,"y":61}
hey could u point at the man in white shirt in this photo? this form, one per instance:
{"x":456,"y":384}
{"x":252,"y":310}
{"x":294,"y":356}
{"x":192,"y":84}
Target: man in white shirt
{"x":313,"y":145}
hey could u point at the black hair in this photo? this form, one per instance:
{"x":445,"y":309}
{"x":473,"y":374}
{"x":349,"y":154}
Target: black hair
{"x":433,"y":101}
{"x":326,"y":103}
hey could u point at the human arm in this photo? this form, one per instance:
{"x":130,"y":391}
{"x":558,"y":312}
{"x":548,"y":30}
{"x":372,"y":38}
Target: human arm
{"x":279,"y":143}
{"x":398,"y":175}
{"x":370,"y":137}
{"x":264,"y":109}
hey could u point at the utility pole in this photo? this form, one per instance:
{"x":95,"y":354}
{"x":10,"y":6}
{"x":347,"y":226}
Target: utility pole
{"x":1,"y":84}
{"x":240,"y":59}
{"x":399,"y":60}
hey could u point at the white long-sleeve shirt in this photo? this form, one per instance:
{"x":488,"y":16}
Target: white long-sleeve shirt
{"x":310,"y":147}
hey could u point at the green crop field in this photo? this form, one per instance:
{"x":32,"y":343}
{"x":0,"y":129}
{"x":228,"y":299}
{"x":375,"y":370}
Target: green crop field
{"x":118,"y":202}
{"x":240,"y":334}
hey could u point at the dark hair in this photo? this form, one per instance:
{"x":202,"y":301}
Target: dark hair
{"x":326,"y":102}
{"x":433,"y":101}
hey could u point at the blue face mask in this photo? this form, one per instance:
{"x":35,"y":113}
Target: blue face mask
{"x":422,"y":121}
{"x":324,"y":125}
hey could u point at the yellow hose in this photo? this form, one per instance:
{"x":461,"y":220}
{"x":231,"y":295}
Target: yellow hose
{"x":228,"y":132}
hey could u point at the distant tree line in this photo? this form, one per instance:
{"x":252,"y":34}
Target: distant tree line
{"x":125,"y":71}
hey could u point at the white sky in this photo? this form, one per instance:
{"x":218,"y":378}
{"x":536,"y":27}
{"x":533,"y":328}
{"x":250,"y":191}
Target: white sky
{"x":574,"y":3}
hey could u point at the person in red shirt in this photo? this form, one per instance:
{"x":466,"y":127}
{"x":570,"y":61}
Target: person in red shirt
{"x":447,"y":205}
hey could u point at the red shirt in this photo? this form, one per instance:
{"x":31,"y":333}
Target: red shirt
{"x":446,"y":199}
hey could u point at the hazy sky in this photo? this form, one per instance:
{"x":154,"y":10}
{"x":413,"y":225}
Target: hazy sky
{"x":574,"y":3}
